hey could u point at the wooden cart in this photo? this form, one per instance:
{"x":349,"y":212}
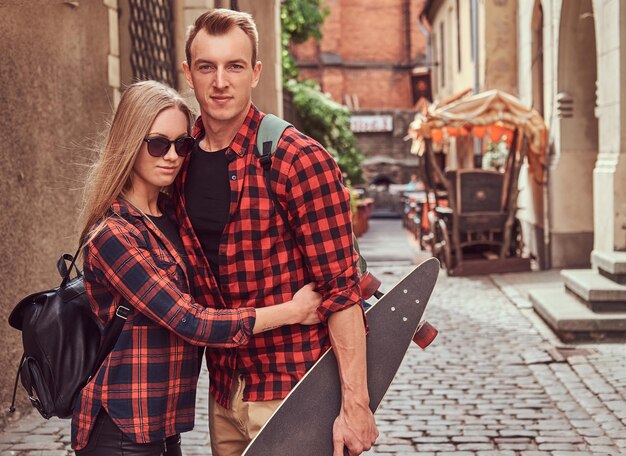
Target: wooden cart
{"x":472,"y":225}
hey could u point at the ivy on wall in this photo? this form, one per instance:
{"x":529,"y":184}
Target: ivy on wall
{"x":325,"y":120}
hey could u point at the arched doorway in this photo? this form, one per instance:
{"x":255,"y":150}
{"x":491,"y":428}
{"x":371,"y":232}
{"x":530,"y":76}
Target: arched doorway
{"x":575,"y":138}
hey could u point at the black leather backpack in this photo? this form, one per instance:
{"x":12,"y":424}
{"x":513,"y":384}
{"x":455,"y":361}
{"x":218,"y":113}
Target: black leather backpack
{"x":64,"y":342}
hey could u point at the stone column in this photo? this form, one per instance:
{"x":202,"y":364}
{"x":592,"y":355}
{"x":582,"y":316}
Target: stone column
{"x":574,"y":129}
{"x":609,"y":176}
{"x":186,"y":13}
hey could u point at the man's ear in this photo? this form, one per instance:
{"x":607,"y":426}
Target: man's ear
{"x":187,"y":72}
{"x":256,"y":73}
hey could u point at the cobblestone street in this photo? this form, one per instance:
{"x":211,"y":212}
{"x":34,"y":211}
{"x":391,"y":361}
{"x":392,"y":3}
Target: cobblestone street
{"x":495,"y":381}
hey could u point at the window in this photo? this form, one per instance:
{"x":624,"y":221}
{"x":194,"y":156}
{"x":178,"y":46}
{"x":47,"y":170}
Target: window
{"x":473,"y":22}
{"x":434,"y":59}
{"x":458,"y":36}
{"x":442,"y":59}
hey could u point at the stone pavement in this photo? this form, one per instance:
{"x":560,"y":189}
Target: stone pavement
{"x":495,"y":382}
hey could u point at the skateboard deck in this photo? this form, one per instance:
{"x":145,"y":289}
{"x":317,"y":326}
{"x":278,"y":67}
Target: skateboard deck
{"x":303,"y":423}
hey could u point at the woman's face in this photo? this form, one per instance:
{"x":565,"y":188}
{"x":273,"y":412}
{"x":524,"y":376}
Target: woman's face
{"x":157,"y":172}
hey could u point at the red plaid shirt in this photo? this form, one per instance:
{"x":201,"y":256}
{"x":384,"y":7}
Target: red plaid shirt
{"x":261,"y":265}
{"x":147,"y":384}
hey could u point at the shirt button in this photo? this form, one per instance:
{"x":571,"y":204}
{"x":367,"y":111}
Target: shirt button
{"x":233,"y":177}
{"x":184,"y":319}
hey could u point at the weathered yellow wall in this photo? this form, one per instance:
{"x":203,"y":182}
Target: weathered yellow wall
{"x":500,"y":45}
{"x":55,"y":97}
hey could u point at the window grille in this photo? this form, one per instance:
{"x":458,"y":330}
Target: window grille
{"x":152,"y":37}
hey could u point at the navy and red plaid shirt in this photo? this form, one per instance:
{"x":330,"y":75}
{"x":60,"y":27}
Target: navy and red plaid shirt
{"x":148,"y":382}
{"x":260,"y":264}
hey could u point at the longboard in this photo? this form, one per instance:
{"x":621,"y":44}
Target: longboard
{"x":302,"y":425}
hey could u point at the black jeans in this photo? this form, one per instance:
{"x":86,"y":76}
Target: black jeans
{"x":107,"y":440}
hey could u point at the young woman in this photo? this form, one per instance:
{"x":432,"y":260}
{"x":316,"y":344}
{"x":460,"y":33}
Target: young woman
{"x":143,"y":395}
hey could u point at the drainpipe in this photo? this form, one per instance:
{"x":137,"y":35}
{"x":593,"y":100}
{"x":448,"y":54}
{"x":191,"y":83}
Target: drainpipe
{"x":475,"y":49}
{"x":407,"y":30}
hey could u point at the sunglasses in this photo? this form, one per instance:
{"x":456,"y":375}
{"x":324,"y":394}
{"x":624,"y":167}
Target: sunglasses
{"x":159,"y":147}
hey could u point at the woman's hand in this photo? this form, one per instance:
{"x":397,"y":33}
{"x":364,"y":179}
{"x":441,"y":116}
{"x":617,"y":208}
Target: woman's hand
{"x":302,"y":309}
{"x":306,"y":301}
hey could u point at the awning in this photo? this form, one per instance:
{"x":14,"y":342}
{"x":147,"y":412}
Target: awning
{"x":493,"y":113}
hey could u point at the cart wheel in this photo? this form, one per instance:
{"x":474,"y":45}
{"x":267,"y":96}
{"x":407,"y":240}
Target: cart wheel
{"x":517,"y":240}
{"x":417,"y":232}
{"x":444,"y":252}
{"x":430,"y":238}
{"x":425,"y":335}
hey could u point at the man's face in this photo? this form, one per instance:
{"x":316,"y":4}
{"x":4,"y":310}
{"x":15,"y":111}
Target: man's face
{"x":221,"y":74}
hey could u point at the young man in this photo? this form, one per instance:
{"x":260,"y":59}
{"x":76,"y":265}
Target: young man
{"x":254,"y":257}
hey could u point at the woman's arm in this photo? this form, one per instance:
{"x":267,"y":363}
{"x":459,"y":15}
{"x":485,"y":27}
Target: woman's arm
{"x":119,"y":260}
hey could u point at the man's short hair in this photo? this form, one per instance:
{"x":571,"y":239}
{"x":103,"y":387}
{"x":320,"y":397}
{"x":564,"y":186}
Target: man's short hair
{"x":220,"y":21}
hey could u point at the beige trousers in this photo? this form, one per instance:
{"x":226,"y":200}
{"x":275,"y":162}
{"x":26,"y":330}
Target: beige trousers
{"x":232,"y":430}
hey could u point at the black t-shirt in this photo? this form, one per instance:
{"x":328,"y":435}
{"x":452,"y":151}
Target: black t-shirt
{"x":170,"y":230}
{"x":207,"y":200}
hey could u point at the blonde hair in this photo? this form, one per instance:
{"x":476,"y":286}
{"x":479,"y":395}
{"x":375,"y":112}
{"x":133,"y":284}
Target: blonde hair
{"x":139,"y":106}
{"x":220,"y":21}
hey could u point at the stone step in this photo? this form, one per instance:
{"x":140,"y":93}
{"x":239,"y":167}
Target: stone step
{"x":597,"y":292}
{"x":572,"y":321}
{"x":610,"y":264}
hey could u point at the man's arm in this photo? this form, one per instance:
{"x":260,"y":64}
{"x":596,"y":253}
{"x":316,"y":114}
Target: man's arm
{"x":355,"y":427}
{"x":319,"y":206}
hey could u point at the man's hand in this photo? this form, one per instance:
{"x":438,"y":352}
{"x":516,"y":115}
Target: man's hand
{"x":354,"y":429}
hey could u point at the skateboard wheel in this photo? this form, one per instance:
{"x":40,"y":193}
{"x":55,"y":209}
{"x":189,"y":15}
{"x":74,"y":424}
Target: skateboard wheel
{"x":425,"y":334}
{"x":369,"y":285}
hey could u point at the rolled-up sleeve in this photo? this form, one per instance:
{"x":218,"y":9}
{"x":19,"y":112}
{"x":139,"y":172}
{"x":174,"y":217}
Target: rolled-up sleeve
{"x":124,"y":264}
{"x":319,"y":205}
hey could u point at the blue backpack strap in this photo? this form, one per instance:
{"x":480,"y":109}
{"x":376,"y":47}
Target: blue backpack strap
{"x":270,"y":131}
{"x":268,"y":135}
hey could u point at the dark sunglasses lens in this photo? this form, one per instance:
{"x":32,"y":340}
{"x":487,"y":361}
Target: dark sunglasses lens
{"x":157,"y":147}
{"x":184,"y":145}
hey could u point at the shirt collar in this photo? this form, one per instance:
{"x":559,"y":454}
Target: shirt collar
{"x":244,"y":136}
{"x":122,"y":207}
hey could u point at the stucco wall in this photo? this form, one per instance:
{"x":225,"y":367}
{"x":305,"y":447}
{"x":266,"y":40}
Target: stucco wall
{"x":55,"y":97}
{"x":500,"y":45}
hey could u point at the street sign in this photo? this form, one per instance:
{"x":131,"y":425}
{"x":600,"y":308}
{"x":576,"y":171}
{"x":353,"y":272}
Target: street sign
{"x":371,"y":124}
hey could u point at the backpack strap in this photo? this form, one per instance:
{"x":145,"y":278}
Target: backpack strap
{"x":111,"y":333}
{"x":270,"y":131}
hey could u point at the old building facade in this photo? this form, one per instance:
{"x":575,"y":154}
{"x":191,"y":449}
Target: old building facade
{"x":565,"y":59}
{"x":473,"y":45}
{"x":571,"y":58}
{"x":372,"y":58}
{"x":64,"y":67}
